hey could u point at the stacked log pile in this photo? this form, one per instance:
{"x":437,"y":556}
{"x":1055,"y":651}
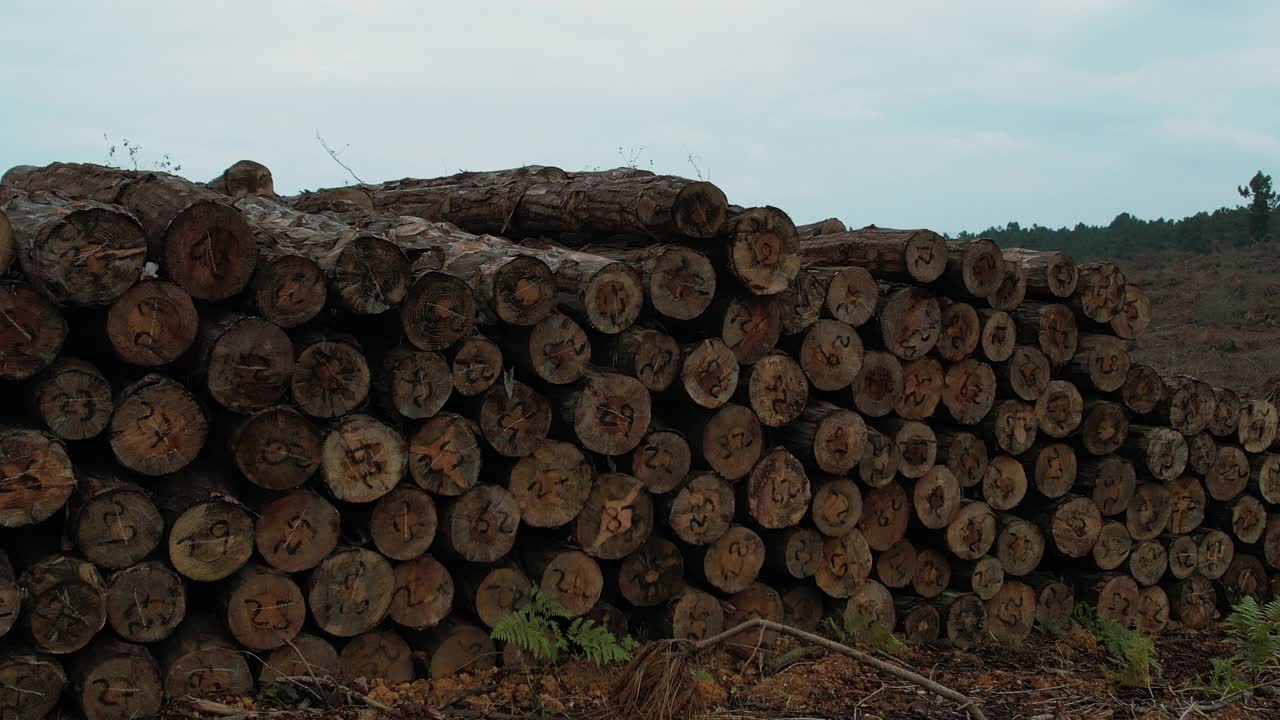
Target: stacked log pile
{"x":248,"y":437}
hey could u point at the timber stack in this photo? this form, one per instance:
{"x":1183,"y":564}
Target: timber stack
{"x":247,"y":437}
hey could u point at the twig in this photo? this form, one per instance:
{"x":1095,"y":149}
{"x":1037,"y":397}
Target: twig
{"x":303,"y":679}
{"x":966,"y":703}
{"x":333,"y":154}
{"x":791,"y":657}
{"x":1204,"y":709}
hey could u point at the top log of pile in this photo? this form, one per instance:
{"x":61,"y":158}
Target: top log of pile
{"x":615,"y":386}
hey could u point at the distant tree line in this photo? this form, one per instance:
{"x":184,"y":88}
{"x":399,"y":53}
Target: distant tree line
{"x":1258,"y":221}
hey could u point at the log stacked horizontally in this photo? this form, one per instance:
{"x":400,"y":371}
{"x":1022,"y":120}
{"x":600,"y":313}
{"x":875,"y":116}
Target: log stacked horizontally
{"x":352,"y":429}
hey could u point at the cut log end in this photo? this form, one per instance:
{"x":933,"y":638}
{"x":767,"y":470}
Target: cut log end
{"x":764,"y":250}
{"x":153,"y":323}
{"x":73,"y":399}
{"x":879,"y":384}
{"x":551,"y":484}
{"x":362,"y":459}
{"x":423,"y":594}
{"x":651,"y":575}
{"x":999,"y":335}
{"x":831,"y":355}
{"x":210,"y":251}
{"x":681,"y":283}
{"x":403,"y":523}
{"x":31,"y":335}
{"x":910,"y":323}
{"x":480,"y":526}
{"x":330,"y":378}
{"x":852,"y":295}
{"x":350,"y":592}
{"x":277,"y":449}
{"x":846,"y":565}
{"x":733,"y":561}
{"x":297,"y":530}
{"x":751,"y":327}
{"x":445,"y":455}
{"x":146,"y":602}
{"x":158,"y":427}
{"x":476,"y":365}
{"x":662,"y":460}
{"x":438,"y":311}
{"x":515,"y":423}
{"x":961,"y":331}
{"x":290,"y":290}
{"x":616,"y":519}
{"x":777,"y":389}
{"x":702,"y":510}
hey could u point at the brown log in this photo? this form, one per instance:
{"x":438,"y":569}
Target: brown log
{"x":762,"y":249}
{"x":827,"y":437}
{"x":1230,"y":474}
{"x":288,"y":289}
{"x":915,"y":443}
{"x":921,"y":623}
{"x":901,"y":255}
{"x":801,"y":303}
{"x":1142,"y":389}
{"x":886,"y":513}
{"x":896,"y":566}
{"x":1055,"y":601}
{"x":650,"y":356}
{"x":152,"y":323}
{"x":514,"y":422}
{"x":453,"y":646}
{"x":8,"y":247}
{"x":10,"y":595}
{"x":244,"y":177}
{"x":609,"y":413}
{"x":264,"y":608}
{"x":845,"y":567}
{"x":936,"y":498}
{"x":1113,"y":547}
{"x":964,"y":617}
{"x":1214,"y":553}
{"x":1226,"y":413}
{"x":1134,"y":316}
{"x":551,"y":484}
{"x":678,"y":282}
{"x":774,"y":387}
{"x":277,"y":448}
{"x":1112,"y":480}
{"x":1099,"y":293}
{"x":1115,"y":594}
{"x":879,"y":384}
{"x":1265,"y":480}
{"x":850,"y":293}
{"x":438,"y":310}
{"x":73,"y":399}
{"x":999,"y":334}
{"x":709,"y":373}
{"x":476,"y":364}
{"x":32,"y":334}
{"x":1060,"y":409}
{"x":1193,"y":602}
{"x":1148,"y":562}
{"x":1019,"y":546}
{"x":733,"y":561}
{"x":1012,"y":289}
{"x":983,"y":577}
{"x":306,"y":655}
{"x":1258,"y":423}
{"x":445,"y":454}
{"x":146,"y":602}
{"x":403,"y":523}
{"x":701,"y":510}
{"x":1271,"y":541}
{"x":115,"y":680}
{"x":961,"y":331}
{"x":569,"y":576}
{"x":75,"y":251}
{"x":1050,"y":274}
{"x":802,"y":607}
{"x":555,"y":350}
{"x":423,"y":594}
{"x":1202,"y":453}
{"x":750,"y":325}
{"x":31,"y":683}
{"x":830,"y":226}
{"x":1005,"y":483}
{"x":969,"y":391}
{"x":871,"y":604}
{"x":1011,"y":613}
{"x":414,"y":384}
{"x":246,"y":363}
{"x":211,"y":533}
{"x":1104,"y":428}
{"x":932,"y":573}
{"x":1187,"y":405}
{"x":1149,"y":511}
{"x":115,"y":523}
{"x":350,"y":592}
{"x":1184,"y":555}
{"x":836,"y":507}
{"x":158,"y":427}
{"x":1013,"y":424}
{"x":693,"y":615}
{"x":730,"y":440}
{"x":330,"y":376}
{"x":480,"y":525}
{"x":1071,"y":524}
{"x":1027,"y":373}
{"x":795,"y":552}
{"x":66,"y":603}
{"x":910,"y":321}
{"x":975,"y":268}
{"x":1245,"y":577}
{"x":1153,"y":610}
{"x":616,"y":519}
{"x":36,"y":476}
{"x":662,"y":460}
{"x":972,"y":531}
{"x":297,"y":530}
{"x":513,"y":285}
{"x":757,"y":601}
{"x":964,"y":454}
{"x":922,"y":383}
{"x":381,"y":655}
{"x":1100,"y":360}
{"x":1188,"y":504}
{"x":1050,"y":327}
{"x":362,"y":459}
{"x":1054,"y":467}
{"x":1160,"y":451}
{"x":651,"y":575}
{"x":493,"y":592}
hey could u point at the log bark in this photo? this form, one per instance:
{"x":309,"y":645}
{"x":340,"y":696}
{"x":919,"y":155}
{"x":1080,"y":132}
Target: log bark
{"x":1026,"y":374}
{"x":1215,"y":552}
{"x":264,"y":608}
{"x":896,"y":566}
{"x":73,"y":399}
{"x":851,"y":293}
{"x":709,"y":373}
{"x":932,"y":573}
{"x":114,"y":522}
{"x":776,"y":389}
{"x":475,"y":364}
{"x":827,"y":437}
{"x":837,"y":506}
{"x":830,"y":226}
{"x":999,"y":335}
{"x":444,"y":455}
{"x":551,"y":484}
{"x":211,"y":533}
{"x":1230,"y":474}
{"x":115,"y":680}
{"x":795,"y":552}
{"x":1113,"y":547}
{"x":244,"y":177}
{"x":910,"y":321}
{"x":845,"y":567}
{"x":1112,"y":482}
{"x":1099,"y":293}
{"x":295,"y":531}
{"x":678,"y":282}
{"x":1019,"y":546}
{"x":650,"y":356}
{"x":801,"y":303}
{"x":1188,"y":505}
{"x":1142,"y":389}
{"x":1071,"y":524}
{"x":916,"y":255}
{"x":973,"y":530}
{"x":964,"y":617}
{"x":331,"y":376}
{"x":1270,"y":541}
{"x":651,"y":575}
{"x":481,"y":524}
{"x":203,"y":244}
{"x":1226,"y":413}
{"x":32,"y":333}
{"x":493,"y":592}
{"x":616,"y":519}
{"x":1050,"y":327}
{"x":381,"y":655}
{"x":146,"y":602}
{"x":36,"y":476}
{"x":1258,"y":424}
{"x":1060,"y":409}
{"x":350,"y":592}
{"x":969,"y":391}
{"x":1148,"y":562}
{"x":701,"y":510}
{"x":750,"y":325}
{"x":961,"y":331}
{"x":936,"y":498}
{"x":1100,"y":360}
{"x":277,"y":448}
{"x":1013,"y":424}
{"x":693,"y":615}
{"x":1012,"y":290}
{"x":1160,"y":451}
{"x":1011,"y":614}
{"x":974,"y":268}
{"x":10,"y":595}
{"x":152,"y":323}
{"x":983,"y":577}
{"x":413,"y":384}
{"x":886,"y":513}
{"x":1005,"y":483}
{"x":1104,"y":428}
{"x":1050,"y":275}
{"x":878,"y":385}
{"x":730,"y":441}
{"x":609,"y":413}
{"x":1153,"y":610}
{"x":66,"y":604}
{"x":1149,"y":511}
{"x":455,"y":645}
{"x":1184,"y":555}
{"x":362,"y":459}
{"x":403,"y":523}
{"x":922,"y":383}
{"x":514,"y":423}
{"x":733,"y":561}
{"x":1134,"y":316}
{"x":8,"y":246}
{"x":246,"y":363}
{"x":964,"y":454}
{"x":1055,"y":601}
{"x":1193,"y":602}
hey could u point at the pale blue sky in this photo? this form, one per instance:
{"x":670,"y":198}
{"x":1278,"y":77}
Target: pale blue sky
{"x":942,"y":114}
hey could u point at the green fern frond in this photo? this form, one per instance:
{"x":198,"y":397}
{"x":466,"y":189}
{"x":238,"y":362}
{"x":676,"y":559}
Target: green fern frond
{"x":536,"y":628}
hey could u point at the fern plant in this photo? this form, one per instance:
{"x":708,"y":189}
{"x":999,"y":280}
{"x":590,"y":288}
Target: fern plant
{"x":538,"y":629}
{"x":1254,"y":630}
{"x":1135,"y":652}
{"x":859,"y":629}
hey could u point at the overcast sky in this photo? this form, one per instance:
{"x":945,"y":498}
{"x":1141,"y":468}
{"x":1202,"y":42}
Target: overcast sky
{"x":949,"y":115}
